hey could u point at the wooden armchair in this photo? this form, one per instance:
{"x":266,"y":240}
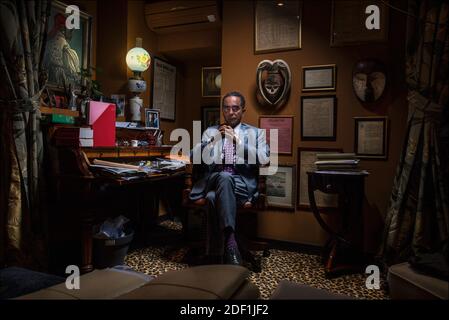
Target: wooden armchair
{"x":246,"y":218}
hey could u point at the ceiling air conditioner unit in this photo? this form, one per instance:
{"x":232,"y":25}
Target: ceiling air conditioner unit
{"x":179,"y":16}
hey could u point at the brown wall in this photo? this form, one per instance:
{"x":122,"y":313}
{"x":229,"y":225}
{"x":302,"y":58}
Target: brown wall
{"x":111,"y":53}
{"x":239,"y":70}
{"x":193,"y":100}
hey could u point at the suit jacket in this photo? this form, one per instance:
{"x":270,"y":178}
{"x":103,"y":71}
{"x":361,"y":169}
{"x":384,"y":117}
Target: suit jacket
{"x":251,"y":151}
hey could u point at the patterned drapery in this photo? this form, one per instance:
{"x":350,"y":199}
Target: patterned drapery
{"x":23,"y":29}
{"x":417,"y":220}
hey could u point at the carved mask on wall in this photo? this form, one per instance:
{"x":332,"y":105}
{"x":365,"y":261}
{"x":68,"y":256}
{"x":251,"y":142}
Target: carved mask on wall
{"x":273,"y":82}
{"x":369,"y":80}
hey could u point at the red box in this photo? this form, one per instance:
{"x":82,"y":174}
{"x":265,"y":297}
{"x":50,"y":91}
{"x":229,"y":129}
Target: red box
{"x":102,"y":119}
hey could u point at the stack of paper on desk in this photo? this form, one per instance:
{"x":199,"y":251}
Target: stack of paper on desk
{"x":115,"y":171}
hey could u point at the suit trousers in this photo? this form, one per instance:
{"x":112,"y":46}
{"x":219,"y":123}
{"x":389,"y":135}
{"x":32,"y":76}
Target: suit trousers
{"x":224,"y":193}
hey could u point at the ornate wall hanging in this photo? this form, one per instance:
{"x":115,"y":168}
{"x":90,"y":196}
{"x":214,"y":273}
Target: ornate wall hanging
{"x":273,"y":82}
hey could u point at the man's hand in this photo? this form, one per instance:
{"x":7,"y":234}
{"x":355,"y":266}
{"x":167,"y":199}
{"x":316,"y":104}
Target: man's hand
{"x":227,"y":131}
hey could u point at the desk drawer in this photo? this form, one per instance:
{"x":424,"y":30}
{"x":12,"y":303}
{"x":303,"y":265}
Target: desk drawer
{"x":101,"y":154}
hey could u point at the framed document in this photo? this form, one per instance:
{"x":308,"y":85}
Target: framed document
{"x":211,"y":81}
{"x":306,"y":162}
{"x":164,"y":89}
{"x":281,"y":187}
{"x":348,"y":25}
{"x":371,"y":137}
{"x":284,"y":124}
{"x":319,"y":78}
{"x":277,"y":28}
{"x":318,"y":118}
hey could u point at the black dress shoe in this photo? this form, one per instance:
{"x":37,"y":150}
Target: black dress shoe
{"x":232,"y":256}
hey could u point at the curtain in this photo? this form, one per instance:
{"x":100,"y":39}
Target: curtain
{"x":417,"y":219}
{"x":22,"y":219}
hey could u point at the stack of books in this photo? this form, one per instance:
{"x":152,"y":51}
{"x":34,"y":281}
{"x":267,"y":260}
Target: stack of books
{"x":337,"y":162}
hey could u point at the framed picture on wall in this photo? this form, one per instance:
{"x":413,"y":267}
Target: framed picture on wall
{"x":211,"y":81}
{"x":163,"y":93}
{"x":319,"y":78}
{"x":281,"y":187}
{"x":284,"y":125}
{"x":68,"y":51}
{"x":277,"y":28}
{"x":210,"y":116}
{"x":348,"y":23}
{"x":319,"y":118}
{"x":371,"y":137}
{"x":306,"y":162}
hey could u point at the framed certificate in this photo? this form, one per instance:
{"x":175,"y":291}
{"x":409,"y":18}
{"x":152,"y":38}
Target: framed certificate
{"x":306,"y":162}
{"x":371,"y":137}
{"x":284,"y":125}
{"x":318,"y":118}
{"x":319,"y":78}
{"x":164,"y":89}
{"x":277,"y":28}
{"x":348,"y":23}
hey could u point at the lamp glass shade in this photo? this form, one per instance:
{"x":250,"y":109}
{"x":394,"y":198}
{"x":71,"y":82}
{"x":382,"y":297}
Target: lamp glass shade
{"x":138,"y":59}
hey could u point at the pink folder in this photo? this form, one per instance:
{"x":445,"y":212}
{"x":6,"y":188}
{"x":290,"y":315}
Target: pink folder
{"x":102,"y":119}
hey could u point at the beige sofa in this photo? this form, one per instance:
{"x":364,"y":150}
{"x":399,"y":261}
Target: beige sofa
{"x":405,"y":283}
{"x":200,"y":282}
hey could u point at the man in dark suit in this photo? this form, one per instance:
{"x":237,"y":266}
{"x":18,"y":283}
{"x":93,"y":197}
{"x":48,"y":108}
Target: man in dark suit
{"x":231,"y":154}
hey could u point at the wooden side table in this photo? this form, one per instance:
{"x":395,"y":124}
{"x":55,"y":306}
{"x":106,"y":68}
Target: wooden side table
{"x":343,"y":252}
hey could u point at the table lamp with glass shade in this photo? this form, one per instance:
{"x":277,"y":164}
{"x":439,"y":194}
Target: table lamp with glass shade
{"x":138,"y":60}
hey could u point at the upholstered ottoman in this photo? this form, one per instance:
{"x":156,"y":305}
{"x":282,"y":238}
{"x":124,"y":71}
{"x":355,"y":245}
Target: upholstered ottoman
{"x":406,"y":283}
{"x":201,"y":282}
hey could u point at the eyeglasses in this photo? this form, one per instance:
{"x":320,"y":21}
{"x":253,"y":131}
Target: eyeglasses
{"x":234,"y":108}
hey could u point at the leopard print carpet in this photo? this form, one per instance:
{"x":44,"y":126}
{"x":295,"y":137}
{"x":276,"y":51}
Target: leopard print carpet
{"x":281,"y":264}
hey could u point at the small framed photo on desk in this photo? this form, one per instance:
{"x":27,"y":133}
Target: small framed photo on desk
{"x":152,"y":119}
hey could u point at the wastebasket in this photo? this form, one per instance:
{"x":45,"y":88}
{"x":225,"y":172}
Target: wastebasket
{"x":111,"y":252}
